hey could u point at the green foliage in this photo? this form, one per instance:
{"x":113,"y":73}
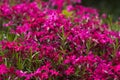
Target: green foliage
{"x":67,"y":13}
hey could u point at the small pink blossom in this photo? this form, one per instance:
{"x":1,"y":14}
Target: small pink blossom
{"x":3,"y":69}
{"x":69,"y":71}
{"x":117,"y":68}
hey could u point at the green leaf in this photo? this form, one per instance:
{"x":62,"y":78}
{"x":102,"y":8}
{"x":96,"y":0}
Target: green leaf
{"x":66,"y":13}
{"x":11,"y":37}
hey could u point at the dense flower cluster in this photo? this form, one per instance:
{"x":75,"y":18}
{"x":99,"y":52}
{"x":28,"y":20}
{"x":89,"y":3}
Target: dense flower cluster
{"x":57,"y":40}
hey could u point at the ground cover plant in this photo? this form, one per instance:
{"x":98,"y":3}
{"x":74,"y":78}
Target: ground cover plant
{"x":57,"y":40}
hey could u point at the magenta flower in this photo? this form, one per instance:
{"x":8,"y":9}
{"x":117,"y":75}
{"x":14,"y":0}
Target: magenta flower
{"x":54,"y":73}
{"x":49,"y":45}
{"x":5,"y":11}
{"x":104,"y":15}
{"x":20,"y":73}
{"x":3,"y":69}
{"x":117,"y":68}
{"x":70,"y":70}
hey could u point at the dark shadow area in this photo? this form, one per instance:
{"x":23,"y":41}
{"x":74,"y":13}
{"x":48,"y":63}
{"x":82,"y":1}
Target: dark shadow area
{"x":111,"y":7}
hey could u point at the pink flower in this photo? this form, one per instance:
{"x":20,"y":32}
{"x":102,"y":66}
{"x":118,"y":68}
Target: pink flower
{"x":3,"y":69}
{"x":54,"y":73}
{"x":58,"y":3}
{"x":20,"y":73}
{"x":22,"y":29}
{"x":117,"y":68}
{"x":69,"y":7}
{"x":104,"y":15}
{"x":44,"y":75}
{"x":69,"y":71}
{"x":5,"y":10}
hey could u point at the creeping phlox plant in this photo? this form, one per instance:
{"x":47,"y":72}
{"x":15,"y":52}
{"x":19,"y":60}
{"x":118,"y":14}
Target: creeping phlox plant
{"x":57,"y":40}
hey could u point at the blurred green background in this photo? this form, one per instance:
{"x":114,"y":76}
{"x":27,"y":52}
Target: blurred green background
{"x":111,"y":7}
